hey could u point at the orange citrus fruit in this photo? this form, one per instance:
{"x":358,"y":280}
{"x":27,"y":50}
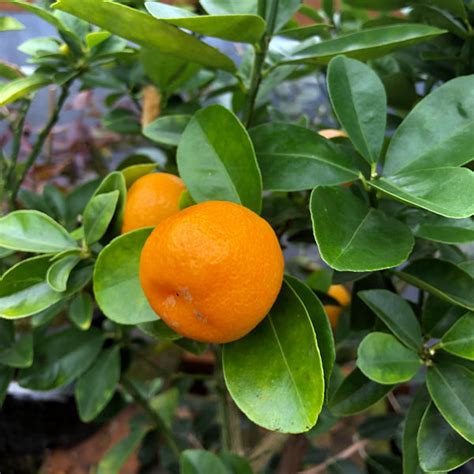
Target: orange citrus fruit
{"x":332,"y":133}
{"x":151,"y":199}
{"x":212,"y":271}
{"x":343,"y":297}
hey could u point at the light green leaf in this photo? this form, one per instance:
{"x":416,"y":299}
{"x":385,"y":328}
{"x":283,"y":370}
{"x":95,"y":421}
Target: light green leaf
{"x":18,"y":88}
{"x":98,"y":214}
{"x":396,"y":313}
{"x":217,"y":161}
{"x":451,"y":387}
{"x":95,"y":387}
{"x":167,"y":130}
{"x":459,"y":339}
{"x":132,"y":173}
{"x":10,"y":23}
{"x":264,"y":373}
{"x":145,"y":30}
{"x":95,"y":38}
{"x":58,"y":273}
{"x":360,"y":103}
{"x":116,"y":284}
{"x":384,"y":360}
{"x":81,"y":311}
{"x":33,"y":231}
{"x":352,"y":236}
{"x":293,"y":158}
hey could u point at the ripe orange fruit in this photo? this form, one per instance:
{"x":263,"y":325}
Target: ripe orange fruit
{"x":343,"y":297}
{"x":332,"y":133}
{"x":150,"y":199}
{"x":212,"y":271}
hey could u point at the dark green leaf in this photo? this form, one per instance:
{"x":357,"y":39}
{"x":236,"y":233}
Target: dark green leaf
{"x":396,"y":313}
{"x":384,"y":360}
{"x":441,"y":278}
{"x":81,"y":311}
{"x":304,"y":32}
{"x":451,"y":387}
{"x":33,"y":231}
{"x":98,"y":214}
{"x":293,"y":158}
{"x":440,"y":448}
{"x":459,"y":340}
{"x":356,"y":394}
{"x":264,"y":373}
{"x":377,"y":4}
{"x":439,"y":315}
{"x":235,"y":464}
{"x":47,"y":315}
{"x":18,"y":88}
{"x":158,"y":330}
{"x":166,"y":404}
{"x":58,"y":273}
{"x":20,"y":353}
{"x":441,"y":229}
{"x":380,"y":427}
{"x":6,"y":376}
{"x":198,"y":461}
{"x":167,"y":130}
{"x":216,"y":159}
{"x":121,"y":120}
{"x":116,"y":284}
{"x":95,"y":387}
{"x":359,"y":101}
{"x":354,"y":237}
{"x":145,"y":30}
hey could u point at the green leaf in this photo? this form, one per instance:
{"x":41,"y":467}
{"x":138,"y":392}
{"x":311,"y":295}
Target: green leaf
{"x":456,"y":7}
{"x":198,"y":461}
{"x":58,"y":273}
{"x":440,"y":448}
{"x":145,"y":30}
{"x":235,"y":464}
{"x":304,"y":32}
{"x":24,"y":291}
{"x":81,"y":311}
{"x":445,"y":191}
{"x":121,"y":120}
{"x":118,"y":454}
{"x":356,"y":394}
{"x":167,"y":130}
{"x":396,"y":313}
{"x":240,"y":28}
{"x":459,"y":340}
{"x":377,"y":4}
{"x":380,"y":427}
{"x":365,"y":44}
{"x":9,"y":71}
{"x":352,"y":236}
{"x":20,"y":353}
{"x":320,"y":322}
{"x":411,"y":464}
{"x":166,"y":404}
{"x":10,"y":23}
{"x":439,"y":315}
{"x":18,"y":88}
{"x":467,"y":266}
{"x":95,"y":38}
{"x":451,"y":387}
{"x":33,"y":231}
{"x":6,"y":376}
{"x":360,"y":103}
{"x":264,"y":373}
{"x":441,"y":278}
{"x":45,"y":317}
{"x":158,"y":330}
{"x":61,"y":357}
{"x":116,"y":284}
{"x":384,"y":360}
{"x":441,"y":229}
{"x":98,"y":214}
{"x":132,"y":173}
{"x":95,"y":387}
{"x":217,"y":161}
{"x":294,"y":158}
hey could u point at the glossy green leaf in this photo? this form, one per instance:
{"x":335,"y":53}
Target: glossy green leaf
{"x":440,"y":448}
{"x":396,"y":313}
{"x":467,"y":266}
{"x":33,"y":231}
{"x":321,"y":324}
{"x":98,"y":214}
{"x":58,"y":273}
{"x":20,"y":353}
{"x":441,"y":229}
{"x":118,"y":454}
{"x":432,"y":15}
{"x":352,"y":236}
{"x":241,"y":28}
{"x":132,"y":173}
{"x":411,"y":463}
{"x":356,"y":394}
{"x":264,"y":373}
{"x":81,"y":311}
{"x":365,"y":44}
{"x":198,"y":461}
{"x":441,"y":278}
{"x":451,"y":387}
{"x":95,"y":387}
{"x":360,"y":103}
{"x":445,"y":191}
{"x":294,"y":158}
{"x":145,"y":30}
{"x":61,"y":357}
{"x":385,"y":360}
{"x":304,"y":32}
{"x":18,"y":88}
{"x":459,"y":340}
{"x":10,"y":23}
{"x":116,"y":284}
{"x":167,"y":130}
{"x":6,"y":376}
{"x":217,"y":161}
{"x":456,"y":7}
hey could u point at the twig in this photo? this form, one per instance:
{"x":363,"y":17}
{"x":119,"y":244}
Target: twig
{"x":264,"y":451}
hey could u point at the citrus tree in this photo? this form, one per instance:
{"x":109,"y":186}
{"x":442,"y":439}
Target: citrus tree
{"x":142,"y":262}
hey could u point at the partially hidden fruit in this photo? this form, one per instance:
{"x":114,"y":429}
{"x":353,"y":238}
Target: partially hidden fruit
{"x":151,"y":199}
{"x":213,"y":271}
{"x":343,"y":297}
{"x":332,"y":133}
